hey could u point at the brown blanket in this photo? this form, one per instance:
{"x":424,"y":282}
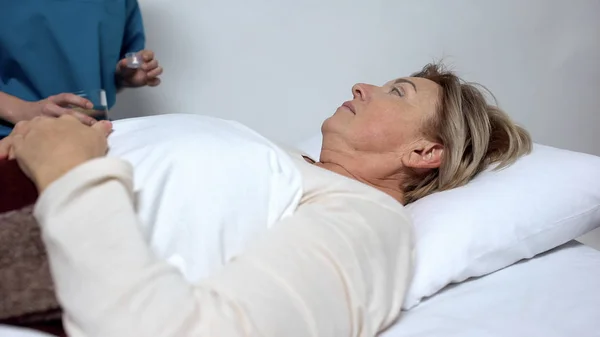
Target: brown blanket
{"x":26,"y":286}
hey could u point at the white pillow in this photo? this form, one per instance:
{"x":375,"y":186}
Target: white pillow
{"x":197,"y":207}
{"x":545,"y":199}
{"x":312,"y":146}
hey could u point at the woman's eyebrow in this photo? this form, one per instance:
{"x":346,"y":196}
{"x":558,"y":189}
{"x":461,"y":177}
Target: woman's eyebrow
{"x":403,"y":80}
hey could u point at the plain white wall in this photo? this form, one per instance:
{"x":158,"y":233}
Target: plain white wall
{"x":282,"y":66}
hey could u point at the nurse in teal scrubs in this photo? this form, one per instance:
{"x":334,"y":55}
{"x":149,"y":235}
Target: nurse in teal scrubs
{"x":51,"y":49}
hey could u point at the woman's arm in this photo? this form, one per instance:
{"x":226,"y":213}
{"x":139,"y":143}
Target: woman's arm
{"x":107,"y":279}
{"x":337,"y":268}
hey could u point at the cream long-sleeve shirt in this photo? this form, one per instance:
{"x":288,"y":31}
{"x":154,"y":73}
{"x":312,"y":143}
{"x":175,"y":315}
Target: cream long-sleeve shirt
{"x":339,"y":266}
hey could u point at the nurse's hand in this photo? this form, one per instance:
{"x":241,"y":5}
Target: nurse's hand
{"x":54,"y":106}
{"x":47,"y":148}
{"x":146,"y":74}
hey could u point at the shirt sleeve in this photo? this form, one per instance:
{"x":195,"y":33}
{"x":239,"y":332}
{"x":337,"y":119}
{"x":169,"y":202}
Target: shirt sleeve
{"x":339,"y":267}
{"x":134,"y":39}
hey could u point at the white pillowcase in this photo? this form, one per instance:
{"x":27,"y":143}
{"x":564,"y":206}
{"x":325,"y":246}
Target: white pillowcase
{"x":312,"y":146}
{"x":205,"y":187}
{"x":545,"y":199}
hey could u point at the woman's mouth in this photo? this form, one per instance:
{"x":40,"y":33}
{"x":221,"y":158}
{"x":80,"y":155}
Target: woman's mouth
{"x":348,"y":105}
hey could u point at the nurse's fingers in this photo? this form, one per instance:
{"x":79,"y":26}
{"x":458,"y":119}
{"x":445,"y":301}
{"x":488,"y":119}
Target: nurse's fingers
{"x":154,"y":73}
{"x":53,"y":110}
{"x":83,"y":118}
{"x":153,"y":82}
{"x":66,"y":99}
{"x":148,"y":66}
{"x":122,"y":64}
{"x":147,"y":55}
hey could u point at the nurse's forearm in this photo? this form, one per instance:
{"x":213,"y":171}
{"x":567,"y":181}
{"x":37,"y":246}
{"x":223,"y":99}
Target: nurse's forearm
{"x":9,"y":107}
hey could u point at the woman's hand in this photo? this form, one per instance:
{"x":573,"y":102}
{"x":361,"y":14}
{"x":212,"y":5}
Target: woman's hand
{"x":47,"y":148}
{"x":53,"y":106}
{"x":146,"y":74}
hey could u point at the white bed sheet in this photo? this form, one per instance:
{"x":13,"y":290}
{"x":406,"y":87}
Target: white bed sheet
{"x":555,"y":294}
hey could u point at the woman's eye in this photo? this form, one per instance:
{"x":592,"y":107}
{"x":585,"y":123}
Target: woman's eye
{"x":397,"y":91}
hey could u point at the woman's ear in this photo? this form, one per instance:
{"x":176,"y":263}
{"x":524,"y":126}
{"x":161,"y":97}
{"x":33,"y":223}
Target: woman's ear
{"x":427,"y":155}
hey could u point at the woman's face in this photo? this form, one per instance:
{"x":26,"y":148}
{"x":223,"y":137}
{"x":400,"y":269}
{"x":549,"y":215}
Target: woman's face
{"x":378,"y":118}
{"x":383,"y":120}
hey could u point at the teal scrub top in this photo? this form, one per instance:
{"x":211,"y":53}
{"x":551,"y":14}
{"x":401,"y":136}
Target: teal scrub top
{"x":48,"y":47}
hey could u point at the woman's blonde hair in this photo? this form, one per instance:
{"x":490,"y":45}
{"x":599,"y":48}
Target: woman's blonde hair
{"x":473,"y":132}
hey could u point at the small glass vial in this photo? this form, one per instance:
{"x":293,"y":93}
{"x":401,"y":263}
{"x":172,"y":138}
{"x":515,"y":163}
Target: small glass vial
{"x":134,"y":60}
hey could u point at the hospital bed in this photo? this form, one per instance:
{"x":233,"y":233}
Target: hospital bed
{"x":554,"y":294}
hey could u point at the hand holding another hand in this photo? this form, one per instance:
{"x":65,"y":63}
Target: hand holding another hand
{"x":53,"y":106}
{"x":47,"y":148}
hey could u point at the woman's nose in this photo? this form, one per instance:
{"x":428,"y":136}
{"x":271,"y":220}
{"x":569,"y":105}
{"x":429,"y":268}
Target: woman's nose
{"x":360,"y":91}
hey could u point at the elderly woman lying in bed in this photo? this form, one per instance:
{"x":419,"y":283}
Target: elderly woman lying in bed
{"x":339,"y":266}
